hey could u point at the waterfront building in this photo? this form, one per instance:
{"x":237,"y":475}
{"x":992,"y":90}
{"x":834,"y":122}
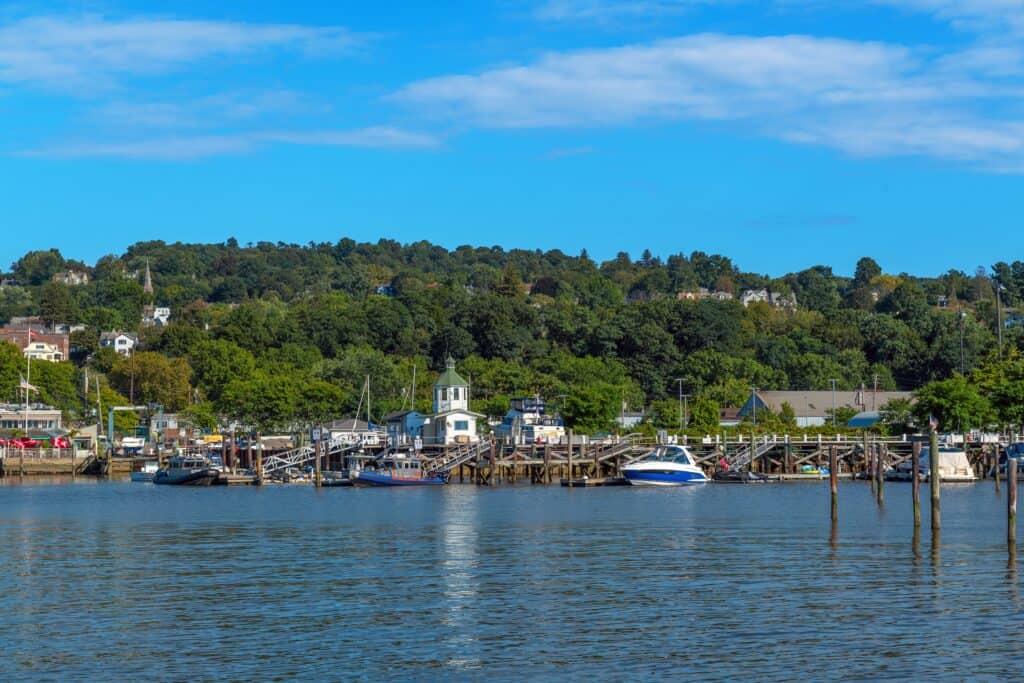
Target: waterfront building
{"x":527,"y":421}
{"x":452,"y":421}
{"x":355,"y":431}
{"x":813,"y":408}
{"x":40,"y":417}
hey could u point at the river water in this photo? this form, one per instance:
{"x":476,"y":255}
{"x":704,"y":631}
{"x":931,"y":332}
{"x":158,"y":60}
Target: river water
{"x":123,"y":581}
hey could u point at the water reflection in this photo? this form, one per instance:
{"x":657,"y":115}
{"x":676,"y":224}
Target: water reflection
{"x":533,"y":583}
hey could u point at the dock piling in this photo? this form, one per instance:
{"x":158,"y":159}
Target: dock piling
{"x":880,"y":468}
{"x":1011,"y":503}
{"x":833,"y":481}
{"x":915,"y":478}
{"x":934,"y":479}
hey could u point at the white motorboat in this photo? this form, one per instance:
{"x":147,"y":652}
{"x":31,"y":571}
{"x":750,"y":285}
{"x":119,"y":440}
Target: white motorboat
{"x":670,"y":465}
{"x":954,"y":467}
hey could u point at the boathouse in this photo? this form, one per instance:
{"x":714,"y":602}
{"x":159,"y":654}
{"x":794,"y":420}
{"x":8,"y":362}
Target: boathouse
{"x":452,"y":421}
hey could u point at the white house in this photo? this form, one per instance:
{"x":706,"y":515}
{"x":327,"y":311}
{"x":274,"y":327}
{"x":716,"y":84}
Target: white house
{"x":156,"y":316}
{"x":452,"y":422}
{"x":38,"y":350}
{"x":121,"y":342}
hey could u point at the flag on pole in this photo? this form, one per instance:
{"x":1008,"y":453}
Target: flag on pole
{"x":25,"y":385}
{"x":933,"y":423}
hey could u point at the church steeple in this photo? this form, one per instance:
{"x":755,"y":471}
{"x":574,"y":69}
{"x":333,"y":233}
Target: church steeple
{"x":147,"y":284}
{"x":451,"y":392}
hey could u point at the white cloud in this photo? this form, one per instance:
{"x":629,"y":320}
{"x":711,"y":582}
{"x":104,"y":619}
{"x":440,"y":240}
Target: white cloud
{"x":187,"y":148}
{"x":84,"y":53}
{"x":863,"y":98}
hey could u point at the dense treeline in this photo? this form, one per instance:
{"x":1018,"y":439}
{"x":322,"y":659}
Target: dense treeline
{"x":276,"y":334}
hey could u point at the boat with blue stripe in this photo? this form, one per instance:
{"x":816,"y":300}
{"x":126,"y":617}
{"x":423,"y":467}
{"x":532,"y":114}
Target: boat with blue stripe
{"x":397,"y":470}
{"x":670,"y":465}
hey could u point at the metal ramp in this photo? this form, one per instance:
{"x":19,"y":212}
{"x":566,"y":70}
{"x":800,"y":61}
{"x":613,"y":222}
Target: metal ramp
{"x":303,"y":455}
{"x":454,"y":458}
{"x":741,"y":457}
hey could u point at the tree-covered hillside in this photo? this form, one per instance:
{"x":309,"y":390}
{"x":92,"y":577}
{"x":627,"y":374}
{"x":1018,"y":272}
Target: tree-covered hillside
{"x":272,"y":334}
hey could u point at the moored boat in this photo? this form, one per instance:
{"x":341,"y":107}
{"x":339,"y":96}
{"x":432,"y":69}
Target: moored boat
{"x":397,"y":470}
{"x":671,"y":465}
{"x":146,"y":471}
{"x":954,"y":467}
{"x":187,"y":470}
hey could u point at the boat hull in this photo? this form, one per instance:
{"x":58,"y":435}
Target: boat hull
{"x":143,"y":477}
{"x":374,"y":479}
{"x":196,"y":478}
{"x":650,"y":477}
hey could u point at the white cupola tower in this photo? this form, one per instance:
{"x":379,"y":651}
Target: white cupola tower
{"x":451,"y":392}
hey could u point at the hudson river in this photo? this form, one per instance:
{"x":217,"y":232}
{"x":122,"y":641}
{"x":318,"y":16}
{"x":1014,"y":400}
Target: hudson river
{"x":123,"y":581}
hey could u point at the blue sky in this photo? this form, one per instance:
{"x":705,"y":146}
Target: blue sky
{"x":782,"y":133}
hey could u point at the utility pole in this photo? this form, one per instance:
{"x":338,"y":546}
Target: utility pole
{"x":686,"y":411}
{"x":753,"y":403}
{"x":679,"y":380}
{"x":874,"y":395}
{"x":962,"y":316}
{"x":999,"y":317}
{"x":833,"y":401}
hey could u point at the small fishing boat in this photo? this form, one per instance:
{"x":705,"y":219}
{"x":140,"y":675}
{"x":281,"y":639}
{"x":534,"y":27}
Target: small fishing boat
{"x":397,"y":470}
{"x":741,"y":477}
{"x":954,"y":467}
{"x":331,"y":478}
{"x":187,"y":470}
{"x":671,"y":465}
{"x":145,"y":471}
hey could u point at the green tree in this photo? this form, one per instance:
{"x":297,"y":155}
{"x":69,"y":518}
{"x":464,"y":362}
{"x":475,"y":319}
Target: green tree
{"x":956,"y":403}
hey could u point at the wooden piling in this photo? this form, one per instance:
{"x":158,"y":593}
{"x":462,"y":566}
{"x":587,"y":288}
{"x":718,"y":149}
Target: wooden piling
{"x":547,"y":463}
{"x":317,"y":466}
{"x":880,"y":465}
{"x":833,"y":482}
{"x":915,"y":479}
{"x":934,"y":478}
{"x":570,"y":454}
{"x":597,"y":461}
{"x":995,"y":469}
{"x":259,"y":459}
{"x":1011,"y":503}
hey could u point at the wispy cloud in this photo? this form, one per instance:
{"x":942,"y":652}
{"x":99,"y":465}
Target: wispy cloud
{"x":567,"y":153}
{"x":971,"y":15}
{"x":860,"y":97}
{"x":88,"y":52}
{"x":601,"y":11}
{"x":205,"y":111}
{"x":188,"y":148}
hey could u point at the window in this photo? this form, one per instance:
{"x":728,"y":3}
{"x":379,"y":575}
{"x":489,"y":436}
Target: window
{"x":444,"y":394}
{"x":462,"y":425}
{"x":455,"y":394}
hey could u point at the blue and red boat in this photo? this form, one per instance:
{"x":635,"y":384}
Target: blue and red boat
{"x":397,"y":470}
